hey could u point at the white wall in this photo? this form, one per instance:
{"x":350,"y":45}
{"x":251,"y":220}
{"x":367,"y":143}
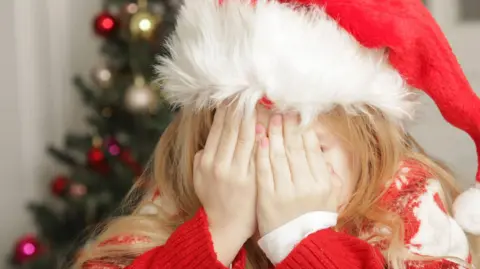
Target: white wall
{"x":44,"y":42}
{"x":12,"y":188}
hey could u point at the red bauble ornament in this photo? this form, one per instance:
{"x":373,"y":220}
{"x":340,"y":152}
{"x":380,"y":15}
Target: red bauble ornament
{"x":105,"y":24}
{"x":95,"y":156}
{"x":127,"y":158}
{"x":97,"y":161}
{"x":27,"y":248}
{"x":59,"y":185}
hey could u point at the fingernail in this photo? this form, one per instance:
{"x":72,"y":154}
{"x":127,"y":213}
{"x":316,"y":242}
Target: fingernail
{"x":259,"y":129}
{"x":276,"y":120}
{"x":264,"y":142}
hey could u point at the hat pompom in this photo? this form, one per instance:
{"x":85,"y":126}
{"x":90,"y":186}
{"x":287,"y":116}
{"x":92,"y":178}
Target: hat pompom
{"x":467,"y":210}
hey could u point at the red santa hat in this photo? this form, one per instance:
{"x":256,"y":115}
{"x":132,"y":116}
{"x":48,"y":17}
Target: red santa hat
{"x":312,"y":55}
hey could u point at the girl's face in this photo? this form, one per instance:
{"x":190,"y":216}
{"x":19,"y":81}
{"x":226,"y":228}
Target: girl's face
{"x":335,"y":154}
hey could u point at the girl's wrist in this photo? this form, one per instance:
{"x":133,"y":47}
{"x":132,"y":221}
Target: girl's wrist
{"x":227,"y":243}
{"x":232,"y":229}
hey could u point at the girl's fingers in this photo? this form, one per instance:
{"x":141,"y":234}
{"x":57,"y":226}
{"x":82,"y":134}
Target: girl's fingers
{"x":314,"y":154}
{"x":263,"y":116}
{"x":229,"y":137}
{"x":265,"y":181}
{"x":280,"y":166}
{"x":214,"y":135}
{"x":197,"y":161}
{"x":246,"y":141}
{"x":295,"y":150}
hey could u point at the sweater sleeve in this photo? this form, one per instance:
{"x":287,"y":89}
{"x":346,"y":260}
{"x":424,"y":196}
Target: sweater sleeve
{"x":328,"y":249}
{"x":190,"y":246}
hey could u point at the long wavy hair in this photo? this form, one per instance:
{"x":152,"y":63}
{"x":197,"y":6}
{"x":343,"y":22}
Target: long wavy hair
{"x":376,"y":145}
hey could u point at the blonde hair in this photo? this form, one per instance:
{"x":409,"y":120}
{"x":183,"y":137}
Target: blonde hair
{"x":377,"y":146}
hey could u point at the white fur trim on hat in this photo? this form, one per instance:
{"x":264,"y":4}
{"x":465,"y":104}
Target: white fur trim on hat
{"x":467,"y":210}
{"x":298,"y":57}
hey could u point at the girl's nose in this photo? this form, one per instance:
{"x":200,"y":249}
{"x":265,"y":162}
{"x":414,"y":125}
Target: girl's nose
{"x":266,"y":102}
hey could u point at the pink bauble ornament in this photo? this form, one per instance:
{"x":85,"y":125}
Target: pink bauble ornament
{"x":27,"y":248}
{"x":113,"y":146}
{"x":78,"y":190}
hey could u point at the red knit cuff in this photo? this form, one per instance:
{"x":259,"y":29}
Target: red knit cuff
{"x":240,"y":260}
{"x":329,"y":249}
{"x":191,"y":246}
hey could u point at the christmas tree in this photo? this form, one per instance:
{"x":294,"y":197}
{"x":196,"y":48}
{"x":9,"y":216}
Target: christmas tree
{"x":126,"y":120}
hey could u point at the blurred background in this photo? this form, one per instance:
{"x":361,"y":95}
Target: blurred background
{"x":79,"y":117}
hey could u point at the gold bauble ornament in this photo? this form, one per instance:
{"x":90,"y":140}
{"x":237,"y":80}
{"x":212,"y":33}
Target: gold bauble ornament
{"x":143,"y":24}
{"x":102,"y":76}
{"x":140,"y":98}
{"x":97,"y":141}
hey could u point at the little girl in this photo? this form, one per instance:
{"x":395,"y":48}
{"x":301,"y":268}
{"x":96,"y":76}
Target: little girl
{"x":289,"y":150}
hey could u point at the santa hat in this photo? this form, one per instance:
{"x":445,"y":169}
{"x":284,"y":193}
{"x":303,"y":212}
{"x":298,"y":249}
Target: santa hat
{"x":312,"y":55}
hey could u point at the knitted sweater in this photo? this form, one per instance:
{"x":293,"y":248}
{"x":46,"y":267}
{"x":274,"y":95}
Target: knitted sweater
{"x":412,"y":193}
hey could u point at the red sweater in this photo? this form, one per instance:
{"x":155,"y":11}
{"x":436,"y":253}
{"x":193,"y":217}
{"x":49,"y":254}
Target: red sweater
{"x":190,"y":246}
{"x":410,"y":194}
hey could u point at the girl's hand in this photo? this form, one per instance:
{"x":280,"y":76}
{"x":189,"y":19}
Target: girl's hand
{"x":292,"y":176}
{"x":224,"y":181}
